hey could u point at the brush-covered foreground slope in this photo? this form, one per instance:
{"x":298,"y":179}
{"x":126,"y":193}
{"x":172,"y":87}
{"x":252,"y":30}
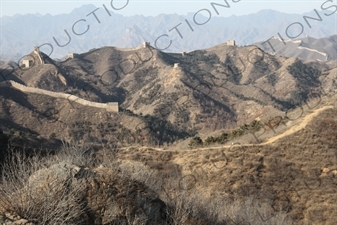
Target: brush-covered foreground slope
{"x":209,"y":90}
{"x":295,"y":175}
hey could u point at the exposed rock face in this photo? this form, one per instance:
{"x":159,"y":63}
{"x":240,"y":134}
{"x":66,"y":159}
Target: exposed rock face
{"x":94,"y":196}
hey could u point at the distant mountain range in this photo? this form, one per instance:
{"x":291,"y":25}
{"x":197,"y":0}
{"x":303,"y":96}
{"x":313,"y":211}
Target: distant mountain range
{"x":21,"y":32}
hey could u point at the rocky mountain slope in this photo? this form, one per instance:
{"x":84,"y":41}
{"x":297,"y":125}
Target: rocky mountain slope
{"x":295,"y":174}
{"x":290,"y":180}
{"x":266,"y":152}
{"x":307,"y":49}
{"x":163,"y":97}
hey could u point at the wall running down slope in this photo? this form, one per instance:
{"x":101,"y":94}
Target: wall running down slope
{"x":110,"y":106}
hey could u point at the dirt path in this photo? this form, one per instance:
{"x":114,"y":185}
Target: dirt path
{"x":297,"y":127}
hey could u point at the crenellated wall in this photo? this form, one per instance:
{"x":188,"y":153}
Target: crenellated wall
{"x":110,"y":107}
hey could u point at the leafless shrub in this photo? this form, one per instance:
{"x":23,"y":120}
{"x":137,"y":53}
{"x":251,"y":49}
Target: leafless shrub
{"x":61,"y":201}
{"x":179,"y":210}
{"x":75,"y":153}
{"x":46,"y":203}
{"x":192,"y":206}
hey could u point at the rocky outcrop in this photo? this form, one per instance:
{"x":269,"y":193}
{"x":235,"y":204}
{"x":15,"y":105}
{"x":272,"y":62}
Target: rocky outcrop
{"x":92,"y":196}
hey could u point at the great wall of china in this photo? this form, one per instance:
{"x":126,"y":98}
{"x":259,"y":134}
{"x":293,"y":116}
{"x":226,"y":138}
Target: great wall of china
{"x":110,"y":106}
{"x":27,"y":62}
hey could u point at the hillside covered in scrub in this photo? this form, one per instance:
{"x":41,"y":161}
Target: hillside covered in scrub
{"x":226,"y":135}
{"x":163,"y":98}
{"x":288,"y":181}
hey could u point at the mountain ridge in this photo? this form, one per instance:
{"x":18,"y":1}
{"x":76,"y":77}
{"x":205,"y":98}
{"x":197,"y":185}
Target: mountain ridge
{"x":308,"y":48}
{"x":203,"y":91}
{"x":112,"y":29}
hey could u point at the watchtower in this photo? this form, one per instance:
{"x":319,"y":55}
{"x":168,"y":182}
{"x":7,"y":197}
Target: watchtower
{"x":112,"y":107}
{"x":231,"y":42}
{"x":146,"y":44}
{"x":28,"y":63}
{"x":72,"y":55}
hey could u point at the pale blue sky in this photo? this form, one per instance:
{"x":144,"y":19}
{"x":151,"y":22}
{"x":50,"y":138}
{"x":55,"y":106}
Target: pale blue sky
{"x":155,"y":7}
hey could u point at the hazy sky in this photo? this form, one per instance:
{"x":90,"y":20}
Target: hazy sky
{"x":155,"y":7}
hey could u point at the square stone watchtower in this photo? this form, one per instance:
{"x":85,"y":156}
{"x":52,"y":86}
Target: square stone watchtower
{"x":28,"y":63}
{"x":112,"y":107}
{"x":72,"y":55}
{"x":231,"y":42}
{"x":146,"y":44}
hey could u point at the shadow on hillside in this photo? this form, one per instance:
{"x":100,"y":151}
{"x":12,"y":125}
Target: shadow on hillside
{"x":7,"y":74}
{"x":16,"y":96}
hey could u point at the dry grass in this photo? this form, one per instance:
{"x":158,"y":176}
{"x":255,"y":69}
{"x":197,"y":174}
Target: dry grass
{"x":294,"y":179}
{"x":60,"y":203}
{"x":44,"y":203}
{"x":291,"y":181}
